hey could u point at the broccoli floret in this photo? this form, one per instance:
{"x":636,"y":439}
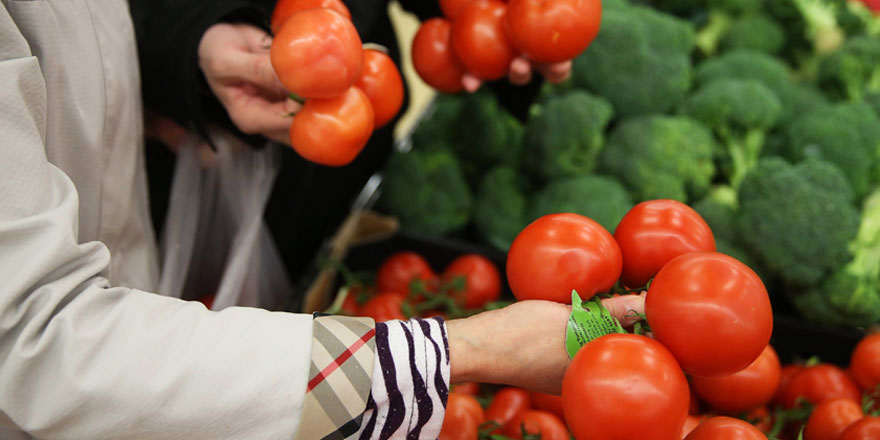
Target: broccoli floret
{"x":486,"y":133}
{"x":565,"y":134}
{"x":661,"y":157}
{"x":437,"y":126}
{"x":600,"y":198}
{"x":681,"y":8}
{"x":740,"y":112}
{"x":873,"y":100}
{"x":755,"y":32}
{"x":501,"y":206}
{"x":736,"y":7}
{"x":797,"y":219}
{"x":427,"y":191}
{"x":854,"y":70}
{"x":811,"y":26}
{"x":720,"y":208}
{"x":847,"y":135}
{"x":639,"y":62}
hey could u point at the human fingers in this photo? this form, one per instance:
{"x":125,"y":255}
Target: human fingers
{"x":520,"y":72}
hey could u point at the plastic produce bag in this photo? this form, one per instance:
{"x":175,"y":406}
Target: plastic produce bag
{"x":215,"y":241}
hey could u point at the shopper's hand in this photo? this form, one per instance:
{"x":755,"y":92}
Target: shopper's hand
{"x":235,"y":61}
{"x":522,"y":344}
{"x":521,"y":73}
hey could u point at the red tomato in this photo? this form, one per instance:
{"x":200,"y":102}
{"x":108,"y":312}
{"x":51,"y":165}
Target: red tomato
{"x":788,"y":372}
{"x":317,"y":54}
{"x":381,"y":81}
{"x":711,"y":311}
{"x":285,"y":8}
{"x":433,"y":58}
{"x":761,"y":418}
{"x":691,"y":423}
{"x":549,"y":403}
{"x":481,"y":277}
{"x":333,"y":131}
{"x":831,"y":417}
{"x":480,"y":42}
{"x":507,"y":404}
{"x":552,"y":31}
{"x":865,"y":362}
{"x":873,"y":5}
{"x":463,"y":418}
{"x":694,"y":403}
{"x":472,"y":388}
{"x":451,"y":8}
{"x":561,"y":252}
{"x":820,"y":383}
{"x":725,"y":428}
{"x":540,"y":422}
{"x":385,"y":307}
{"x":400,"y":269}
{"x":867,"y":428}
{"x":350,"y":306}
{"x":624,"y":386}
{"x":746,"y":389}
{"x":654,"y":232}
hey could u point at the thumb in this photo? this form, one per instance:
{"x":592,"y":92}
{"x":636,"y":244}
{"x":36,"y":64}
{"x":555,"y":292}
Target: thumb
{"x":626,"y":308}
{"x":254,"y":68}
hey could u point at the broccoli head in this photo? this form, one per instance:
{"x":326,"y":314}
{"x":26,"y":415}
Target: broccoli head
{"x":847,"y":135}
{"x":486,"y":133}
{"x":501,"y":206}
{"x":854,"y":70}
{"x":719,"y":209}
{"x":639,"y":62}
{"x":437,"y":126}
{"x":797,"y":219}
{"x":600,"y":198}
{"x":661,"y":157}
{"x":565,"y":134}
{"x":740,"y":112}
{"x":755,"y":32}
{"x":427,"y":191}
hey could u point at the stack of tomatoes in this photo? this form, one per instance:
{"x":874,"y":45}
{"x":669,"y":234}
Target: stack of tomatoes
{"x":510,"y":413}
{"x":483,"y":37}
{"x":348,"y":90}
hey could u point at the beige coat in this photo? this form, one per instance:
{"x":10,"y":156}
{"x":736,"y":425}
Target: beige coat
{"x":83,"y":354}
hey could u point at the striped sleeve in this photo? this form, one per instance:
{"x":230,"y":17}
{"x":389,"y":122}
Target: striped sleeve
{"x":410,"y":381}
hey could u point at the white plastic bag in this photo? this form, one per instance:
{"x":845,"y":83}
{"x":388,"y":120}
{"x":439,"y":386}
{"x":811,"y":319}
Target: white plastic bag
{"x":215,"y":241}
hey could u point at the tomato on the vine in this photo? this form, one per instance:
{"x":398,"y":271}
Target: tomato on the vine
{"x":400,"y":269}
{"x":691,"y":423}
{"x":433,"y":59}
{"x":819,"y":383}
{"x":725,"y":428}
{"x":535,"y":421}
{"x":382,"y":83}
{"x":865,"y":362}
{"x":482,"y":282}
{"x":385,"y":306}
{"x":333,"y":131}
{"x":549,"y":403}
{"x":761,"y":418}
{"x":479,"y":40}
{"x":654,"y":232}
{"x":788,"y":373}
{"x":560,"y":252}
{"x":507,"y":404}
{"x":830,"y":418}
{"x":867,"y":428}
{"x":711,"y":311}
{"x":749,"y":388}
{"x":463,"y":418}
{"x":451,"y":8}
{"x":317,"y":54}
{"x":285,"y":8}
{"x":552,"y":31}
{"x":624,"y":386}
{"x":472,"y":388}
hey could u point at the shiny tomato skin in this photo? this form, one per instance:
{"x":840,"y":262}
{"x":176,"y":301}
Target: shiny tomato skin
{"x":552,"y":31}
{"x":451,"y":8}
{"x":691,"y":423}
{"x":433,"y":58}
{"x":830,"y":418}
{"x":535,"y":421}
{"x":725,"y":428}
{"x":746,"y":389}
{"x":711,"y":311}
{"x":788,"y":373}
{"x":867,"y":428}
{"x":819,"y":383}
{"x":333,"y":131}
{"x":472,"y":388}
{"x":560,"y":252}
{"x":549,"y":403}
{"x":382,"y":83}
{"x":623,"y":386}
{"x":865,"y":362}
{"x":507,"y":404}
{"x":385,"y":306}
{"x":463,"y":418}
{"x":654,"y":232}
{"x":285,"y":8}
{"x":480,"y":42}
{"x":400,"y":269}
{"x":482,"y":280}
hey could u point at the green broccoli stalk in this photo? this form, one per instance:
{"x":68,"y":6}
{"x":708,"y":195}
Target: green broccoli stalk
{"x":740,"y":112}
{"x":565,"y":134}
{"x":853,"y":71}
{"x":501,"y":206}
{"x":427,"y":191}
{"x":661,"y":157}
{"x":797,"y":220}
{"x":601,"y":198}
{"x":822,"y":28}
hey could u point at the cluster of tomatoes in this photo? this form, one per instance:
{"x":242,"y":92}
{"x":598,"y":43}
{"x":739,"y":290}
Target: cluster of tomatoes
{"x":509,"y":413}
{"x":407,"y":286}
{"x":348,"y":90}
{"x":483,"y":37}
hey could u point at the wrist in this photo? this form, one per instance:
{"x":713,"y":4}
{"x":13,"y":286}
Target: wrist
{"x":465,"y":353}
